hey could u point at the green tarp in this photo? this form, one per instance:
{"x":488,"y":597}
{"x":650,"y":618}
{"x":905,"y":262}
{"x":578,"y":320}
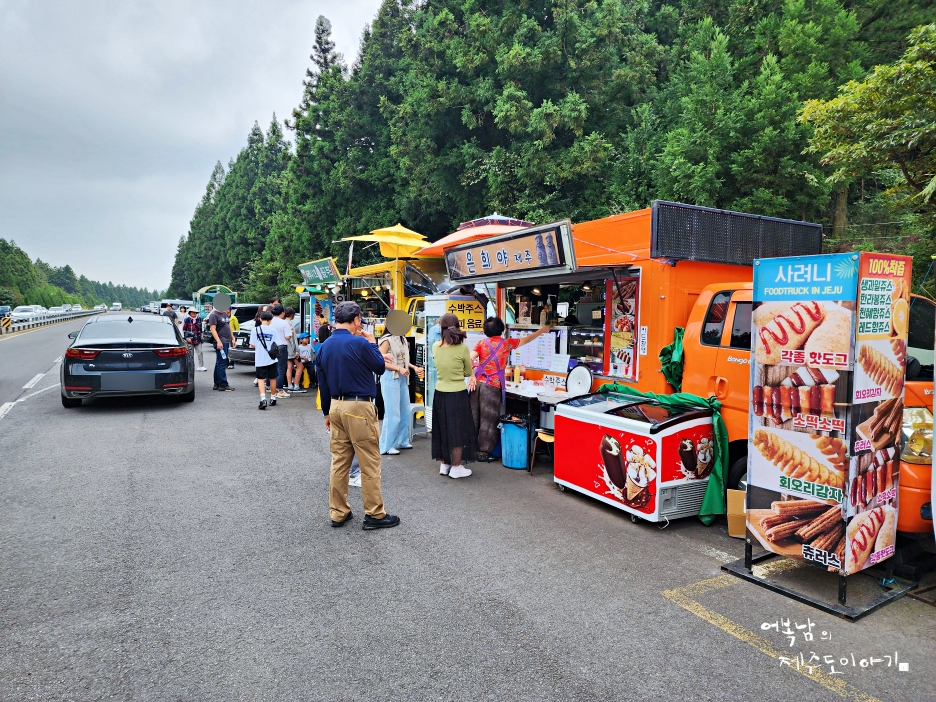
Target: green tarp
{"x":671,"y":359}
{"x":713,"y":502}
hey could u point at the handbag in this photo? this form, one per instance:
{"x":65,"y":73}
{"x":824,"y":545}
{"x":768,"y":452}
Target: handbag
{"x":272,"y":350}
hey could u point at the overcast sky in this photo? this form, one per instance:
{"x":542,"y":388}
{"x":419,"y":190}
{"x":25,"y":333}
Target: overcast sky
{"x":114,"y":112}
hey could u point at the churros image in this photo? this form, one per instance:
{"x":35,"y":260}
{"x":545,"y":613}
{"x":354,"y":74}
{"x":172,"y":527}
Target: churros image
{"x":794,"y":462}
{"x":824,"y":522}
{"x":798,"y":508}
{"x":879,"y":368}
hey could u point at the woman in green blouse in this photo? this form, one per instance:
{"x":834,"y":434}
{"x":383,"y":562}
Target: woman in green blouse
{"x":454,"y":438}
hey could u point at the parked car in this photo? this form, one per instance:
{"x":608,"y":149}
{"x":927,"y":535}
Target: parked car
{"x":77,"y":308}
{"x":124,"y":356}
{"x":23,"y":313}
{"x":5,"y":311}
{"x":56,"y":310}
{"x":40,"y":311}
{"x":241,"y":351}
{"x":67,"y":307}
{"x":101,"y":308}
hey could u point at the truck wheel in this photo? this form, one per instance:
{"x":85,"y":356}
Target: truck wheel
{"x":71,"y":403}
{"x":736,"y":472}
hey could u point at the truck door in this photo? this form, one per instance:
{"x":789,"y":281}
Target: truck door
{"x":701,"y":360}
{"x":733,"y":370}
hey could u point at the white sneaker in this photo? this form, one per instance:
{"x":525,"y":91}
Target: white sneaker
{"x":355,"y":481}
{"x":444,"y":469}
{"x":459,"y":472}
{"x":202,"y":368}
{"x":282,"y":393}
{"x":255,"y":382}
{"x":392,"y":452}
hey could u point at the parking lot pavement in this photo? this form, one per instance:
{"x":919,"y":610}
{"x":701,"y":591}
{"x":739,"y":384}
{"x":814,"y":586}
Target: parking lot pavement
{"x":155,"y":550}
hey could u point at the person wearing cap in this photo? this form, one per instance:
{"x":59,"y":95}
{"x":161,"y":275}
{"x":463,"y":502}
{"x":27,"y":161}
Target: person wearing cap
{"x":346,"y":366}
{"x":192,"y":331}
{"x":303,"y":359}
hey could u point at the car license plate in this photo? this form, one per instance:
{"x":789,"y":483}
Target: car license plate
{"x":127,"y":381}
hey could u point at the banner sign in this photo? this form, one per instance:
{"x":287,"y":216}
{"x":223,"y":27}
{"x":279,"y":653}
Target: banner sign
{"x":322,"y":271}
{"x":469,"y":311}
{"x":527,"y":253}
{"x":827,"y":371}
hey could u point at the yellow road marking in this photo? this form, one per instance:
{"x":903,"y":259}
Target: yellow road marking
{"x":683,"y":597}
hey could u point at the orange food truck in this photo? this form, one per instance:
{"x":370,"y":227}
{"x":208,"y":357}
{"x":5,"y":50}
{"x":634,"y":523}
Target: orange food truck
{"x":615,"y":291}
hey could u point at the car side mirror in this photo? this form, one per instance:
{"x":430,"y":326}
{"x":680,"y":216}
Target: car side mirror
{"x":73,"y":335}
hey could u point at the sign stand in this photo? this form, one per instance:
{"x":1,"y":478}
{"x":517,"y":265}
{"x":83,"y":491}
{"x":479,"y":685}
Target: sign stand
{"x":895,"y":587}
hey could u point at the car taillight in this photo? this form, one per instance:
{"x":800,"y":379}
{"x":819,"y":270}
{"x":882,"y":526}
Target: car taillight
{"x":171,"y":353}
{"x":84,"y":354}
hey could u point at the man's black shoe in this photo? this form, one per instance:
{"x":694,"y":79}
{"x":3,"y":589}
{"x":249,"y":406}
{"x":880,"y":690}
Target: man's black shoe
{"x":342,"y":523}
{"x":226,"y":387}
{"x":263,"y":404}
{"x":272,"y":402}
{"x":215,"y":387}
{"x":387,"y":522}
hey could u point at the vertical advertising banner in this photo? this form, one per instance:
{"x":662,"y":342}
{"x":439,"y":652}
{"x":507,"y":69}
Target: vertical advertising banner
{"x":622,"y":296}
{"x":877,"y":408}
{"x":803,"y":324}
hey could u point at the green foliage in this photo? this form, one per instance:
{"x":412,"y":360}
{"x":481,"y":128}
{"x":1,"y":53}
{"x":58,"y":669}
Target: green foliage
{"x":23,"y":282}
{"x":545,"y":109}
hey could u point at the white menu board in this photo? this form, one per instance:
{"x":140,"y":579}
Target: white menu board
{"x":539,"y":353}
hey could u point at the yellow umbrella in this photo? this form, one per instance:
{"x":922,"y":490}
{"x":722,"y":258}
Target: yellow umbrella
{"x":398,"y":229}
{"x":393,"y":245}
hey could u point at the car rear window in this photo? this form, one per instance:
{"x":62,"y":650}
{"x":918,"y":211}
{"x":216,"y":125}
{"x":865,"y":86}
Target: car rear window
{"x":123,"y":329}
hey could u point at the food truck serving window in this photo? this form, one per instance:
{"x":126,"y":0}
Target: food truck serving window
{"x":715,"y":319}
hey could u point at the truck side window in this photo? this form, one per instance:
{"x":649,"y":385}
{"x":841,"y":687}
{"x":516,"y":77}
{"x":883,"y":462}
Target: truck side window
{"x":741,"y":327}
{"x":715,"y":319}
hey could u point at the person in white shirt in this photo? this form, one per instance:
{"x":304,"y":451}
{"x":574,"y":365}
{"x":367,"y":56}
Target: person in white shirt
{"x":262,"y":338}
{"x":283,"y":331}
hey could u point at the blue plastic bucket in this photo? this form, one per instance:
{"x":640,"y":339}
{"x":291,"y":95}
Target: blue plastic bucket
{"x":514,"y":443}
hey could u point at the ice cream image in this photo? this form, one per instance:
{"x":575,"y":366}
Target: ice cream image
{"x":687,"y":454}
{"x":704,"y":457}
{"x":613,"y":460}
{"x":641,"y":470}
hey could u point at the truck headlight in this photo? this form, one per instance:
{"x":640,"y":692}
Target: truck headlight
{"x":917,"y":433}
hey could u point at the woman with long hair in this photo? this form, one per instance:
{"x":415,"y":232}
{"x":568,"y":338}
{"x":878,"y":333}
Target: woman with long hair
{"x":491,"y":356}
{"x":454,"y":439}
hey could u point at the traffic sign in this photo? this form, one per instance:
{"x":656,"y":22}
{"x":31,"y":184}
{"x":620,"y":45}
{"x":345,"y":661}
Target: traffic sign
{"x":6,"y":322}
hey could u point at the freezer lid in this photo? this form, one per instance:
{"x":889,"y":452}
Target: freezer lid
{"x":597,"y":402}
{"x":656,"y":415}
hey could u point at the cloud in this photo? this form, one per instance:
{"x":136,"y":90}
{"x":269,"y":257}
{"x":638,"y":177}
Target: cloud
{"x":113,"y":114}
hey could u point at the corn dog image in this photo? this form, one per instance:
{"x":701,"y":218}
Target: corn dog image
{"x":880,"y":369}
{"x":794,"y":462}
{"x":784,"y":326}
{"x":862,"y":533}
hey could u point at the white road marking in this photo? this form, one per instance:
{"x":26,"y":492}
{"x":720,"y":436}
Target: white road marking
{"x":5,"y":407}
{"x":58,"y":360}
{"x":32,"y":383}
{"x":26,"y":397}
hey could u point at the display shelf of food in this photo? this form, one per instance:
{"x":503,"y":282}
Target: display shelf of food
{"x":586,"y":345}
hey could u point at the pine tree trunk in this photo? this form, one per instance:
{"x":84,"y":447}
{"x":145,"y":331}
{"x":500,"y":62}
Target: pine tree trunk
{"x":840,"y":214}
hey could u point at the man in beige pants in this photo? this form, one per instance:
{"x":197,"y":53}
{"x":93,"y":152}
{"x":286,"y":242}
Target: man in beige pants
{"x":346,"y":365}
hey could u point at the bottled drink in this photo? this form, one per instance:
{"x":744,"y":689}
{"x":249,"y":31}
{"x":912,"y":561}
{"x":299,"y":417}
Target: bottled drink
{"x":223,"y":355}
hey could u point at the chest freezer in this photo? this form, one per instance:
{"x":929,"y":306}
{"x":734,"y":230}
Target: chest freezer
{"x":634,"y":454}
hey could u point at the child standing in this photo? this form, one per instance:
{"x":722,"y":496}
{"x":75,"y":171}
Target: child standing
{"x":261,"y":341}
{"x":304,"y":360}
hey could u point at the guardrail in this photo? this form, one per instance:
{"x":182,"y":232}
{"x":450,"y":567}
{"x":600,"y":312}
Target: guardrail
{"x":44,"y":321}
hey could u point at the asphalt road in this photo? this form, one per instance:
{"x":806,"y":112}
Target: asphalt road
{"x":160,"y":551}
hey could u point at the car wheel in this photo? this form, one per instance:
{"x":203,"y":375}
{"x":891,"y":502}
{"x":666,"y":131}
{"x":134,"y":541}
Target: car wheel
{"x":736,"y":472}
{"x":71,"y":403}
{"x":188,"y":397}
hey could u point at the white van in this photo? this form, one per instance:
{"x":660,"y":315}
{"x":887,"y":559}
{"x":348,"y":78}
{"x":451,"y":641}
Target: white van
{"x":116,"y":307}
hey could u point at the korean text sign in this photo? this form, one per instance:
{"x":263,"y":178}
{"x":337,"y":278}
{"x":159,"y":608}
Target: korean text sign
{"x":524,"y":253}
{"x":817,"y":323}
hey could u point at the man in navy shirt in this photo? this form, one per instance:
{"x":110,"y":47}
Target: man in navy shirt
{"x":345,"y":367}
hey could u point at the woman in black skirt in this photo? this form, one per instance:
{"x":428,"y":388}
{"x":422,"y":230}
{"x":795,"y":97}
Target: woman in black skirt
{"x":454,"y":438}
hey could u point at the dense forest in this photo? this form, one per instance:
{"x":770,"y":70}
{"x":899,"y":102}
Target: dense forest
{"x":542,"y":109}
{"x":26,"y":282}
